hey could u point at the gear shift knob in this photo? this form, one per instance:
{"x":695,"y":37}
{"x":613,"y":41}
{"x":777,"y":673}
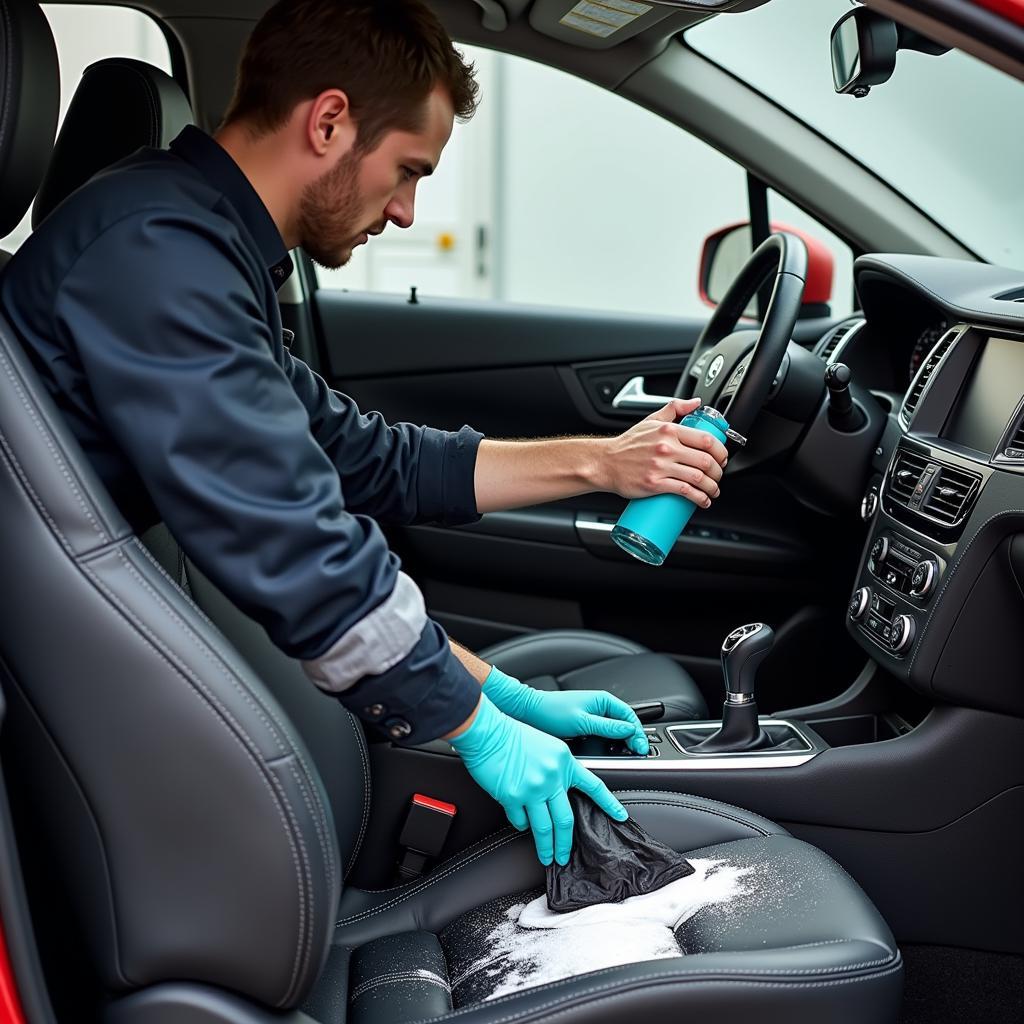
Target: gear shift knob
{"x":742,"y":652}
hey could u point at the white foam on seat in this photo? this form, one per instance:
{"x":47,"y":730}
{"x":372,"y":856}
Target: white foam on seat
{"x":533,"y":946}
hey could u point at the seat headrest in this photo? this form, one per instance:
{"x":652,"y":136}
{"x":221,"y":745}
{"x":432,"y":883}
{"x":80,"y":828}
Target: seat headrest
{"x":120,"y":105}
{"x":29,"y":104}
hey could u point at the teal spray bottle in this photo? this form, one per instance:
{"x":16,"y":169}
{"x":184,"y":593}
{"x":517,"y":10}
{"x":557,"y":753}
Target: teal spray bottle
{"x":649,"y":527}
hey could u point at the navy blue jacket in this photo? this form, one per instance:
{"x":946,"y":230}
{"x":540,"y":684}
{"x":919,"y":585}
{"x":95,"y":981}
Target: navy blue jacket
{"x":147,"y":301}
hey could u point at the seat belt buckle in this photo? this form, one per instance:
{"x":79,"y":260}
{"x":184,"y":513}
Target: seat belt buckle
{"x":423,"y":835}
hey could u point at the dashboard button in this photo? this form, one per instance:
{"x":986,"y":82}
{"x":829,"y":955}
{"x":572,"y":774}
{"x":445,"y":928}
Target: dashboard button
{"x":869,"y":505}
{"x":859,"y":603}
{"x":923,"y":580}
{"x":879,"y":553}
{"x":902,"y":634}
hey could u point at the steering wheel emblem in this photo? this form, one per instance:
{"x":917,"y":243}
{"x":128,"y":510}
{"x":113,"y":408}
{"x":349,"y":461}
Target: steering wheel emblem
{"x":714,"y":370}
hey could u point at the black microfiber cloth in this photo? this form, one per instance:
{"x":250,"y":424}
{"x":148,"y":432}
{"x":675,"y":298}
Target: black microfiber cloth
{"x":610,"y":861}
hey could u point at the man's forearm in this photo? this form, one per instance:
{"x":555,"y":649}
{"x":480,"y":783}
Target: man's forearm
{"x":512,"y":474}
{"x":476,"y":667}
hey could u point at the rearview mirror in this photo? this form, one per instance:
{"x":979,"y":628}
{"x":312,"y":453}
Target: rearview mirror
{"x":864,"y":47}
{"x":728,"y":249}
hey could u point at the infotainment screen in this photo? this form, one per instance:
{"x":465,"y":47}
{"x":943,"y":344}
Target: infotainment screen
{"x":991,"y":393}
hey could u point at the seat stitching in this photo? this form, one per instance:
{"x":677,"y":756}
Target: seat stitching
{"x":302,"y":785}
{"x":514,"y":643}
{"x":317,"y":814}
{"x":270,"y":778}
{"x":16,"y":470}
{"x":717,"y":971}
{"x":676,"y":976}
{"x":949,"y":578}
{"x":673,"y":793}
{"x":797,"y":945}
{"x":447,"y":861}
{"x":395,"y":979}
{"x":48,"y":441}
{"x":364,"y":914}
{"x":705,"y":810}
{"x":434,"y":878}
{"x":268,"y":708}
{"x":364,"y":762}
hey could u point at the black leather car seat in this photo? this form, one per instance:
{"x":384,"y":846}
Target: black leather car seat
{"x":200,"y":844}
{"x":123,"y":104}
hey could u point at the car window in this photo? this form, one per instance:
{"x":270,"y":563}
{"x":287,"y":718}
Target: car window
{"x":561,"y":193}
{"x":85,"y":34}
{"x":944,"y":131}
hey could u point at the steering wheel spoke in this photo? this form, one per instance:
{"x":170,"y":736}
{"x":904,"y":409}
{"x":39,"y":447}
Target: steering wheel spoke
{"x":740,"y":367}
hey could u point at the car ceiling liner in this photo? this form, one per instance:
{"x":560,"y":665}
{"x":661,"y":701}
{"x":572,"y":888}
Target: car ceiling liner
{"x":600,"y":24}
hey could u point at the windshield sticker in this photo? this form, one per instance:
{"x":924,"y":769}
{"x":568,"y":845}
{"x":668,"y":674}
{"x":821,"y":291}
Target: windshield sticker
{"x":604,"y":17}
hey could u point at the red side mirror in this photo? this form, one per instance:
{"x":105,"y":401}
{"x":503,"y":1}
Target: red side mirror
{"x":726,"y":250}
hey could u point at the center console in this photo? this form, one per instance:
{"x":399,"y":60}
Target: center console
{"x":741,"y":740}
{"x":934,"y":599}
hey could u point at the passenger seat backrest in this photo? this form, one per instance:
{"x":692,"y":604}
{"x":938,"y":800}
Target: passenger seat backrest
{"x":120,"y":106}
{"x":29,"y":104}
{"x":170,"y":786}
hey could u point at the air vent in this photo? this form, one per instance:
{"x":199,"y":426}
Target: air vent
{"x":924,"y":375}
{"x":950,"y":496}
{"x":906,"y":471}
{"x":832,"y":340}
{"x":1016,"y":443}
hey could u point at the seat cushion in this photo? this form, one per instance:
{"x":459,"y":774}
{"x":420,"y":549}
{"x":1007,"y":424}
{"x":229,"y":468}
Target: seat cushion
{"x":773,"y":930}
{"x":586,"y":660}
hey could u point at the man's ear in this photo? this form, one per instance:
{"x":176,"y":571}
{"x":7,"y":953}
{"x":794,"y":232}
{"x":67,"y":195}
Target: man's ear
{"x":329,"y":125}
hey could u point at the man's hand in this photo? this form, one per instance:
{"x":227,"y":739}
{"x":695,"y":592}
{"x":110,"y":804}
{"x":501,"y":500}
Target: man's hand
{"x":569,"y":713}
{"x":659,"y":456}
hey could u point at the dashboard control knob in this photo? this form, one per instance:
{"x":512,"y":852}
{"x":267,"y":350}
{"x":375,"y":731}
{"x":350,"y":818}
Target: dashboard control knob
{"x":869,"y":505}
{"x":923,"y":580}
{"x":879,"y":552}
{"x":859,"y":603}
{"x":903,"y":630}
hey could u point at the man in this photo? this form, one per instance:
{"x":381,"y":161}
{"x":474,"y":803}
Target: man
{"x":148,"y":303}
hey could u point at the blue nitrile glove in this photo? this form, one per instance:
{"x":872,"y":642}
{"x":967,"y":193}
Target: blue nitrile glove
{"x":569,"y":712}
{"x":530,"y":773}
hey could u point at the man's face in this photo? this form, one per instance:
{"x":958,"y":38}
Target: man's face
{"x":364,"y":191}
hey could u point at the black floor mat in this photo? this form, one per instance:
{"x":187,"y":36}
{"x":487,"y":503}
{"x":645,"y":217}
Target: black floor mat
{"x":961,"y":986}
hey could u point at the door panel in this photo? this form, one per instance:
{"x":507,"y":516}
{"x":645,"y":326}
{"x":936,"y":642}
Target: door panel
{"x":516,"y":371}
{"x":367,"y":334}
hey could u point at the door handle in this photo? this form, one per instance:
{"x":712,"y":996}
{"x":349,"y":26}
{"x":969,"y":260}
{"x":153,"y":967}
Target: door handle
{"x":633,"y":396}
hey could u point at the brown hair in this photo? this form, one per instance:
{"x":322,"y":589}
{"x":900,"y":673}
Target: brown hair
{"x":385,"y":55}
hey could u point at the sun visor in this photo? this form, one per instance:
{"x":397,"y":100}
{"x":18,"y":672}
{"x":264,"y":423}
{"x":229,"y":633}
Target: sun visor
{"x":600,"y":24}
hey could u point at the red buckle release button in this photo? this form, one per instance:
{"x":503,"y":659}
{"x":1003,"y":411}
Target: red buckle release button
{"x":435,"y":805}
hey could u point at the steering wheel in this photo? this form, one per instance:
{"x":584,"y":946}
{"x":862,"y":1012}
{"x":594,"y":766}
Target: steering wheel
{"x":727,"y":370}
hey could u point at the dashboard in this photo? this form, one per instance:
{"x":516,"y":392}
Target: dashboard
{"x":939,"y":594}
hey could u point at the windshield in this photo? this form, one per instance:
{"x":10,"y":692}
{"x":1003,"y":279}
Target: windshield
{"x":945,"y":131}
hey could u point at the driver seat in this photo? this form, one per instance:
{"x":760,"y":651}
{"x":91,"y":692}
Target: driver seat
{"x":132,"y":104}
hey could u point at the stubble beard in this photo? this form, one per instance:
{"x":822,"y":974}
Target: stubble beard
{"x":328,"y":214}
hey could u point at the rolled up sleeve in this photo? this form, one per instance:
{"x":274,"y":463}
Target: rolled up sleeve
{"x":178,"y":355}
